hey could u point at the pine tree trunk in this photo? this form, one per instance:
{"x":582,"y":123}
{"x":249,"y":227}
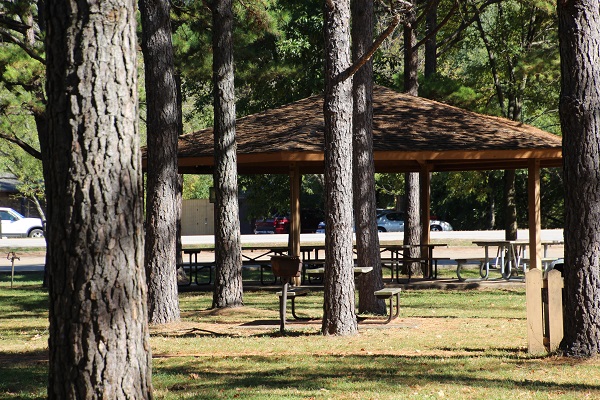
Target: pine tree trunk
{"x":411,"y":55}
{"x":579,"y":33}
{"x":367,"y":239}
{"x":179,"y":211}
{"x":491,"y":217}
{"x":339,"y":316}
{"x":162,"y":177}
{"x":431,"y":43}
{"x":510,"y":205}
{"x":41,"y":124}
{"x":179,"y":201}
{"x":228,"y":255}
{"x":412,"y":221}
{"x":99,"y":343}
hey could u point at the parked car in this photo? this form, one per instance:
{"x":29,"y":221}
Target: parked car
{"x":274,"y":224}
{"x":321,"y":227}
{"x":16,"y":225}
{"x":280,"y":223}
{"x":393,"y":221}
{"x":558,"y":265}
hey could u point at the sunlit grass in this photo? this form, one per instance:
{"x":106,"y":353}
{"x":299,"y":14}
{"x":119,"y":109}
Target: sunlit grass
{"x":452,"y":344}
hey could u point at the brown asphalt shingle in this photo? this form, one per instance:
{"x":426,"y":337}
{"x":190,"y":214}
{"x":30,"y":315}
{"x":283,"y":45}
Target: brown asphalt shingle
{"x":401,"y":123}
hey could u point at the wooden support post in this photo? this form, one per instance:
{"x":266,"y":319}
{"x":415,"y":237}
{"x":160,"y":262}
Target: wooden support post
{"x":294,"y":235}
{"x":533,"y":298}
{"x":554,"y":320}
{"x":425,"y":183}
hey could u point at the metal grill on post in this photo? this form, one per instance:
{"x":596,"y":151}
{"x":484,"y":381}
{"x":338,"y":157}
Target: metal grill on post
{"x":286,"y":268}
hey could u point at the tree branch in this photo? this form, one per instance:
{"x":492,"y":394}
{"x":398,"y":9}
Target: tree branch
{"x":370,"y":51}
{"x":437,"y":28}
{"x":448,"y":42}
{"x":26,"y":147}
{"x":9,"y":38}
{"x":14,"y":25}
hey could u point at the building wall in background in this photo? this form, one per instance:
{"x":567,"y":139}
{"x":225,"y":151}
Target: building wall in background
{"x":197,"y":217}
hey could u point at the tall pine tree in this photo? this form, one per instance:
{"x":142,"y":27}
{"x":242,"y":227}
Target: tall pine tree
{"x":579,"y":33}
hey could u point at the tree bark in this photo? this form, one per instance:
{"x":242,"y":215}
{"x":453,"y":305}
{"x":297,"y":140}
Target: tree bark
{"x":339,"y":316}
{"x":510,"y":205}
{"x":228,"y":253}
{"x":365,"y":214}
{"x":179,"y":199}
{"x":412,"y":223}
{"x":491,"y":200}
{"x":411,"y":54}
{"x":412,"y":220}
{"x":162,"y":178}
{"x":431,"y":43}
{"x":99,"y":342}
{"x":179,"y":211}
{"x":579,"y":34}
{"x":41,"y":124}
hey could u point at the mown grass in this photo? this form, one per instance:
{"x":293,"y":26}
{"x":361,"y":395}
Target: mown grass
{"x":446,"y":344}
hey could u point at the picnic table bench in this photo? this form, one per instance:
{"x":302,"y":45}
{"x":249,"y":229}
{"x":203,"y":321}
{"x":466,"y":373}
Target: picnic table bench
{"x":461,"y":262}
{"x":389,"y":294}
{"x":425,"y":262}
{"x":193,"y":269}
{"x":291,"y":295}
{"x":386,"y":294}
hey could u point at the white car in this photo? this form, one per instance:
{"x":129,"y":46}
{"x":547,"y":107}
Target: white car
{"x":393,"y":221}
{"x":16,"y":225}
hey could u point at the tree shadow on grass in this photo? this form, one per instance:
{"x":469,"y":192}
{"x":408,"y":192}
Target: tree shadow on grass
{"x":20,"y":303}
{"x":24,"y":375}
{"x":191,"y":333}
{"x":384,"y":374}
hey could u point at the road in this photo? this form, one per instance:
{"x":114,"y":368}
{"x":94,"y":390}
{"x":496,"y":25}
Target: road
{"x":35,"y":260}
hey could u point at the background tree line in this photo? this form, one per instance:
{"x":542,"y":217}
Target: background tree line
{"x":494,"y":57}
{"x":498,"y":58}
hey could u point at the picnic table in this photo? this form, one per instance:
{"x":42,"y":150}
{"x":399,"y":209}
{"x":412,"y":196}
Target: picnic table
{"x":320,"y":271}
{"x":259,"y":255}
{"x":511,"y":256}
{"x":397,"y":258}
{"x":508,"y":256}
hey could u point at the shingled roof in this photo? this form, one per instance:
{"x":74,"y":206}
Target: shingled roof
{"x":409,"y":132}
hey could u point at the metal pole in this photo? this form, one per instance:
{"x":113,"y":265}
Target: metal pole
{"x":282,"y":306}
{"x":12,"y":256}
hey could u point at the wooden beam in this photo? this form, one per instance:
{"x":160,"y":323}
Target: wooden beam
{"x":391,"y":161}
{"x":535,"y":219}
{"x":425,"y":183}
{"x":467,"y":155}
{"x":294,"y":236}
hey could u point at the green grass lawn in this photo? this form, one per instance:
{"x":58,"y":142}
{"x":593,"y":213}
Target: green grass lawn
{"x":446,"y":344}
